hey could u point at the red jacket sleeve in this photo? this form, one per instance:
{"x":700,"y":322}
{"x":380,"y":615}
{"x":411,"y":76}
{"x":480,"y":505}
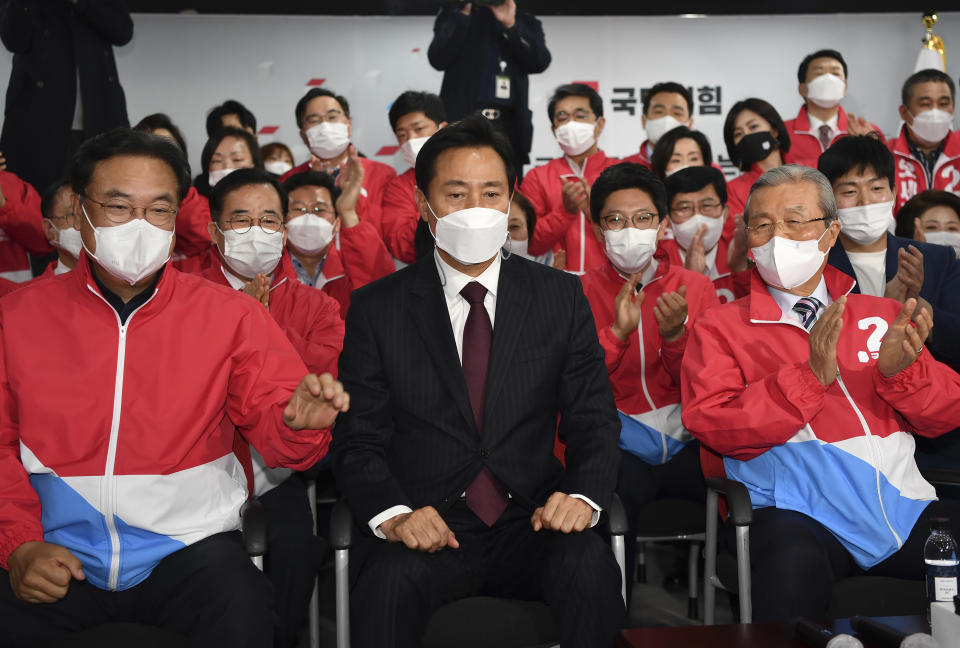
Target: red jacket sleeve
{"x":926,"y":394}
{"x":551,"y":224}
{"x":365,"y":257}
{"x":400,"y":216}
{"x":19,"y":503}
{"x":671,"y":355}
{"x":613,"y":349}
{"x":732,"y":417}
{"x":20,"y":216}
{"x":319,"y":345}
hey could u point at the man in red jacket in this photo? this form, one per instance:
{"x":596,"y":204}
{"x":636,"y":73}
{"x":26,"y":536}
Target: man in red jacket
{"x":810,"y":395}
{"x":667,"y":105}
{"x":58,"y":226}
{"x":560,"y":189}
{"x":20,"y":228}
{"x":331,"y":247}
{"x":323,"y":118}
{"x":135,"y":517}
{"x":822,"y":120}
{"x":927,"y":150}
{"x":643,"y":306}
{"x":414,"y":117}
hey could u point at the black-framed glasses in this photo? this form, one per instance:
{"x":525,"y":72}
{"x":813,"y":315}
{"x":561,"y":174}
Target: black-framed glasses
{"x":707,"y":207}
{"x":118,"y":211}
{"x":640,"y":220}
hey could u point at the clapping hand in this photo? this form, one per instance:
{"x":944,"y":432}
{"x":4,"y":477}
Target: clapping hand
{"x":671,"y":314}
{"x":259,"y":289}
{"x":903,"y":342}
{"x":351,"y":186}
{"x":627,"y":308}
{"x":315,"y":403}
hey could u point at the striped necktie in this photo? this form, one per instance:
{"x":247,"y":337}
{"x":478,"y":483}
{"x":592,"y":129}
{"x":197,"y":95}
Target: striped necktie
{"x":806,"y":309}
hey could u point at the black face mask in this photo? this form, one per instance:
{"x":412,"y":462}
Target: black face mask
{"x":755,"y":147}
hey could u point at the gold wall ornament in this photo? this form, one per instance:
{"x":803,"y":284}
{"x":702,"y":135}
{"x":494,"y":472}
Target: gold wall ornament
{"x":931,"y":41}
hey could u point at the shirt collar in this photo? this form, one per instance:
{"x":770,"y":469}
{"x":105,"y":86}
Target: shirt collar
{"x":453,"y":280}
{"x":786,"y":301}
{"x":815,"y":123}
{"x":235,"y":282}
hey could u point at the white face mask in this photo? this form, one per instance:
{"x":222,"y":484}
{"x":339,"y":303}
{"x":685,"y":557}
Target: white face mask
{"x":253,"y":252}
{"x":520,"y":248}
{"x":309,"y":233}
{"x":951,"y":239}
{"x":327,"y":140}
{"x":785,"y":263}
{"x":471,"y":235}
{"x":865,"y":224}
{"x":277,"y":167}
{"x":827,"y":90}
{"x":657,"y":127}
{"x":213,"y":177}
{"x":69,"y":241}
{"x":931,"y":126}
{"x":630,"y":249}
{"x":411,"y":148}
{"x":131,"y":251}
{"x":685,"y":231}
{"x":575,"y":137}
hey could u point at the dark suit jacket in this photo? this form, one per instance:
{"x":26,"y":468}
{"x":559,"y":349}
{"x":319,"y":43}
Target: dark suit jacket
{"x":51,"y":40}
{"x":941,"y":287}
{"x":468,"y":50}
{"x":410,"y":437}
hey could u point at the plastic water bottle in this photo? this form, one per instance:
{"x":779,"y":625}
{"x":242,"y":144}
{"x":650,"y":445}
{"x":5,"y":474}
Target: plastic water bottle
{"x":940,"y":556}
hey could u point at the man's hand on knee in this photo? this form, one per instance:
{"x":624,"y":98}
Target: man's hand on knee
{"x":40,"y":572}
{"x":562,"y":513}
{"x":422,"y":530}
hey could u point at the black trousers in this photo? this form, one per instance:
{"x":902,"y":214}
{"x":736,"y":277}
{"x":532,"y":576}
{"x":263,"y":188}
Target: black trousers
{"x":397,"y":589}
{"x":293,"y":556}
{"x":209,"y":592}
{"x":795,"y":560}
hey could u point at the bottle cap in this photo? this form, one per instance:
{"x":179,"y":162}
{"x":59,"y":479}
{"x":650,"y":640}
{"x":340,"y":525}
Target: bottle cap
{"x":940,"y":524}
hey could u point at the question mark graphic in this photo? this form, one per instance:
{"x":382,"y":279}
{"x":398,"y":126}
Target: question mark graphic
{"x":879,"y":326}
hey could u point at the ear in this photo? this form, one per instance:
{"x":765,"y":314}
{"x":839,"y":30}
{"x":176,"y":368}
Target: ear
{"x":690,"y":125}
{"x":337,"y":224}
{"x":48,"y":229}
{"x":601,"y":124}
{"x":802,"y":89}
{"x":643,"y":121}
{"x":215,"y":235}
{"x":303,"y":138}
{"x":421,"y":199}
{"x":349,"y":127}
{"x":661,"y":229}
{"x":832,"y":233}
{"x":905,"y":115}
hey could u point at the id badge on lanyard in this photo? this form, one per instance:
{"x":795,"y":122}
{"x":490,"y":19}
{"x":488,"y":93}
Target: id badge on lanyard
{"x":502,"y":86}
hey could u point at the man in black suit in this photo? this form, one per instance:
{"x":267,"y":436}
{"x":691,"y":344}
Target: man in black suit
{"x":458,"y":367}
{"x":486,"y":54}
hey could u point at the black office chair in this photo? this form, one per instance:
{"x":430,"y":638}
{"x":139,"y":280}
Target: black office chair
{"x":871,"y":596}
{"x":479,"y":621}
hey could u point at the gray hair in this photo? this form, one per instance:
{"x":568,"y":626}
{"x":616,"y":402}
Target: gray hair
{"x":792,"y":174}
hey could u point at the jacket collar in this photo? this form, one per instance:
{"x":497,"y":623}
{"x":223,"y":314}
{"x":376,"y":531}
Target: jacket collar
{"x":802,"y":123}
{"x":950,"y":150}
{"x":764,"y":308}
{"x":161,"y":295}
{"x":591,"y":162}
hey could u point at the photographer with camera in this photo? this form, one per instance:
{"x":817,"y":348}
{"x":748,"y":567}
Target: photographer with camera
{"x":486,"y":49}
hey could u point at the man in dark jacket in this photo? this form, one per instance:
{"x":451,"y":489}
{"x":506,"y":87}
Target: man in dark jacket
{"x":486,"y":53}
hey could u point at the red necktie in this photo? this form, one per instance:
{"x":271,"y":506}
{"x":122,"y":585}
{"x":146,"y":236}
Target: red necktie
{"x":485,"y":497}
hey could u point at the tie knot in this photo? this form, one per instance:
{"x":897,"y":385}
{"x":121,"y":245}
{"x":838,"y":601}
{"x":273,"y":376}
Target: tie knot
{"x":825,"y":130}
{"x":807,"y":308}
{"x":474,"y":292}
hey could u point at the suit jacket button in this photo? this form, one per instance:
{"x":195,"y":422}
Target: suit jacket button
{"x":484,"y":453}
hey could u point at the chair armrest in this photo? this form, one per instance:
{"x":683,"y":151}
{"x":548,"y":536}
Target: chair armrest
{"x":341,"y":525}
{"x":616,"y":517}
{"x":253,"y":527}
{"x":942,"y":476}
{"x":738,"y":499}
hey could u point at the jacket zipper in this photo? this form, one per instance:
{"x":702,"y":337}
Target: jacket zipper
{"x":646,"y":393}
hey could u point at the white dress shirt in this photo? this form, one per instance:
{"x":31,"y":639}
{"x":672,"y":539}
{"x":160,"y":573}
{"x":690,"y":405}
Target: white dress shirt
{"x":815,"y":124}
{"x":453,"y":282}
{"x":787,"y":301}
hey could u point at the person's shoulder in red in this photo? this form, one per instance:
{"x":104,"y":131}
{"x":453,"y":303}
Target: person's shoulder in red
{"x":301,"y":168}
{"x":642,"y":156}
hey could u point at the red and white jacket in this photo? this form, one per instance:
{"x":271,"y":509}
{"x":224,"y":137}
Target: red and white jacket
{"x":728,"y":285}
{"x":556,"y":227}
{"x":193,"y":239}
{"x":805,"y":147}
{"x":912,"y":179}
{"x":400,"y":216}
{"x":841,"y":454}
{"x":644,"y":370}
{"x":642,"y":156}
{"x":137,"y":461}
{"x":20,"y":228}
{"x":376,"y":175}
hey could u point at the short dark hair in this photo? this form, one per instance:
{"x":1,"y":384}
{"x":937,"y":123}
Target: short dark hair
{"x":668,"y":86}
{"x":126,"y":141}
{"x":273,"y":148}
{"x":925,"y":76}
{"x":857,"y":153}
{"x":413,"y":101}
{"x":230,"y":107}
{"x":312,"y":179}
{"x":810,"y":58}
{"x":575,"y":90}
{"x":766,"y":111}
{"x":472,"y":131}
{"x":243,"y":178}
{"x":695,"y":178}
{"x":529,"y":212}
{"x":313,"y":93}
{"x":157,"y":121}
{"x":50,"y":196}
{"x":627,"y":175}
{"x":663,"y":151}
{"x":919,"y":204}
{"x":223,"y":133}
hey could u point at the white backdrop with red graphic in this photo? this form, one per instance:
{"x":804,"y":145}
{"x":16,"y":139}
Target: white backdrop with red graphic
{"x":184,"y":64}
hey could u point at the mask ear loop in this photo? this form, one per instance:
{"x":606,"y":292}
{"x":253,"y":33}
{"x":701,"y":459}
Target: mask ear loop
{"x":506,"y":250}
{"x":436,"y":253}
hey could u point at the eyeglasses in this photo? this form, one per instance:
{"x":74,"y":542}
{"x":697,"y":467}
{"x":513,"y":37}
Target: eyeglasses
{"x":67,"y":220}
{"x":640,"y":220}
{"x":706,"y":207}
{"x":791,"y":226}
{"x":119,"y":212}
{"x":579,"y":115}
{"x":320,"y":209}
{"x":269,"y":223}
{"x":330,"y":116}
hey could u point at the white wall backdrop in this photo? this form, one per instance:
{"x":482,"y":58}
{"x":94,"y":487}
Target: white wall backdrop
{"x":184,"y":64}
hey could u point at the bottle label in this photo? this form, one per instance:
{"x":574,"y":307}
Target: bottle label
{"x":945,"y":588}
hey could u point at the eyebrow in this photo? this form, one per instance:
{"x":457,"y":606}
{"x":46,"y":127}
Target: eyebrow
{"x":796,"y":208}
{"x":116,"y":193}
